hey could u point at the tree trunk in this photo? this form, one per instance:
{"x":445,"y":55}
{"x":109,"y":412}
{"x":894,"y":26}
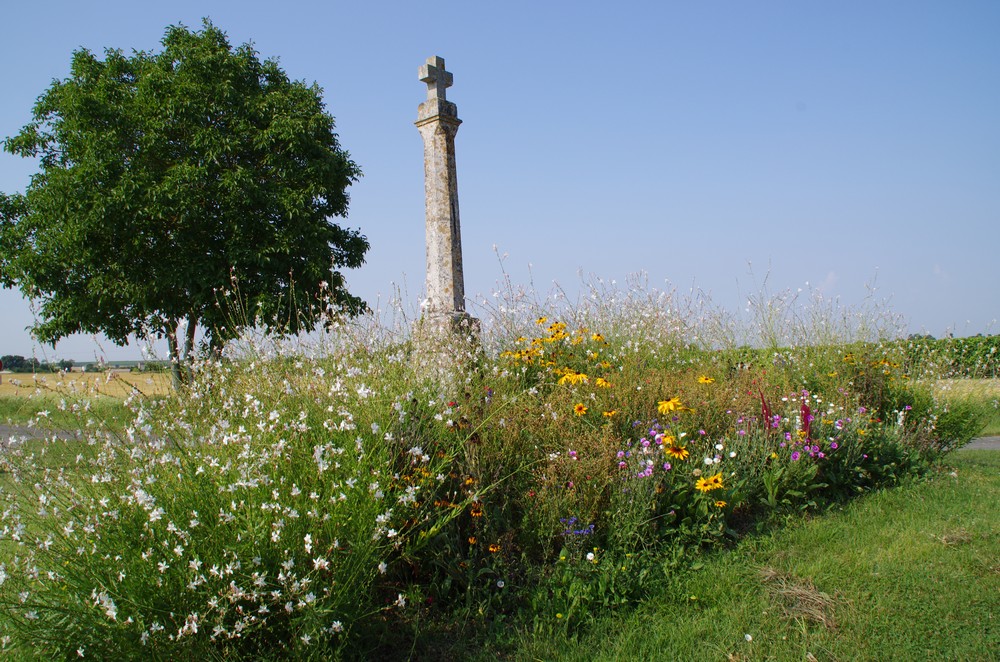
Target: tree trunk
{"x":174,"y":355}
{"x":181,"y":349}
{"x":189,"y":347}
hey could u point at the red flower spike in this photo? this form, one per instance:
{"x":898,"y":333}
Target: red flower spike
{"x":765,"y":411}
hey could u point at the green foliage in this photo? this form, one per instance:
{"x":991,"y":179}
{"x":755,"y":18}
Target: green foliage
{"x":859,"y":582}
{"x":168,"y":178}
{"x":294,"y":507}
{"x":976,"y":356}
{"x":16,"y":363}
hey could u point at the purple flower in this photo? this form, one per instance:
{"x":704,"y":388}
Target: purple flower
{"x":795,"y":456}
{"x":834,"y":445}
{"x":666,"y":466}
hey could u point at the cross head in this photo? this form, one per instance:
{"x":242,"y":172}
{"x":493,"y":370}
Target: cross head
{"x":437,"y":79}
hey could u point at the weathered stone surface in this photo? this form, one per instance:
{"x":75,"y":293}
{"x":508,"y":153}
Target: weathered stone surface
{"x":445,"y":336}
{"x":437,"y":121}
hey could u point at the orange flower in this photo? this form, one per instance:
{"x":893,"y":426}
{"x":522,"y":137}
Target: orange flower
{"x":579,"y":409}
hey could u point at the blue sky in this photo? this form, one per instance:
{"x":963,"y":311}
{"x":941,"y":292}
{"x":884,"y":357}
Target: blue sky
{"x":835,"y":144}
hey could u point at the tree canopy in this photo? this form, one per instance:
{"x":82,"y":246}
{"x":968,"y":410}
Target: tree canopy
{"x":167,"y":179}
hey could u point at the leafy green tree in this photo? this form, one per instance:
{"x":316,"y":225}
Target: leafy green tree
{"x":171,"y":183}
{"x":17,"y":363}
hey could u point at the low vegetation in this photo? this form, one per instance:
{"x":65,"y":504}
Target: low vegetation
{"x":354,"y":497}
{"x":911,"y":573}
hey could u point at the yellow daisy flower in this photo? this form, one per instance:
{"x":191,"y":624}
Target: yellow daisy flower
{"x":709,"y":484}
{"x":674,"y":450}
{"x":667,"y":406}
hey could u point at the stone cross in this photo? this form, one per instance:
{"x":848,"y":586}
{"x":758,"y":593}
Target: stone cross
{"x":437,"y":121}
{"x":437,"y":79}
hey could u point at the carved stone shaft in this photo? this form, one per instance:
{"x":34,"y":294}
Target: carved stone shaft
{"x":438,"y":123}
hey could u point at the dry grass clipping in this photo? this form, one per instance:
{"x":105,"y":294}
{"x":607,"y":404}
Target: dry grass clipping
{"x":952,"y":538}
{"x":799,"y":598}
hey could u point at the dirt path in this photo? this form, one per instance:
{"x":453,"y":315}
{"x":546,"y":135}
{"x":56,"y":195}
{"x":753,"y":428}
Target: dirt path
{"x":983,"y":443}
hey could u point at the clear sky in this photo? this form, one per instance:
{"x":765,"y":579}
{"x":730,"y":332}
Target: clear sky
{"x":834,"y":143}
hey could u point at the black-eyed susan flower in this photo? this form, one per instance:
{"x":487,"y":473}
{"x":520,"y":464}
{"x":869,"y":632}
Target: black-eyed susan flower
{"x":579,"y":409}
{"x":704,"y":379}
{"x":573,"y":377}
{"x":609,"y":414}
{"x":494,"y":548}
{"x":675,"y":450}
{"x":710,"y":483}
{"x":601,"y":382}
{"x":667,"y":406}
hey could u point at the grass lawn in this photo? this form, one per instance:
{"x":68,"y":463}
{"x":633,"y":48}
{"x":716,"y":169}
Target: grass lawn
{"x":906,"y":574}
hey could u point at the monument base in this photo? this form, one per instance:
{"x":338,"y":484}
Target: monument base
{"x":447,"y":346}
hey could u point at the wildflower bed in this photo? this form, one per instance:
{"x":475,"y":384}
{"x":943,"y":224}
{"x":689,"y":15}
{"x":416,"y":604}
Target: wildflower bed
{"x":344,"y":505}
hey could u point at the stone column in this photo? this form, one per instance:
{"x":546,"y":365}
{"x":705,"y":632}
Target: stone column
{"x":437,"y":121}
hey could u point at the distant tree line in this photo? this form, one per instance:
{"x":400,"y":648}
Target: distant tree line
{"x":16,"y":363}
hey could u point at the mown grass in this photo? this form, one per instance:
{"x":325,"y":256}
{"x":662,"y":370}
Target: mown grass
{"x":903,"y":574}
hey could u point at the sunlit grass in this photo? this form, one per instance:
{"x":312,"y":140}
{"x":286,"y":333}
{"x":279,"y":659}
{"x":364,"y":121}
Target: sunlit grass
{"x":911,"y":573}
{"x":79,"y":384}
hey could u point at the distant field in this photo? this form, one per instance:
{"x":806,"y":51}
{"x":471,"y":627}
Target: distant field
{"x":117,"y":385}
{"x":988,"y":389}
